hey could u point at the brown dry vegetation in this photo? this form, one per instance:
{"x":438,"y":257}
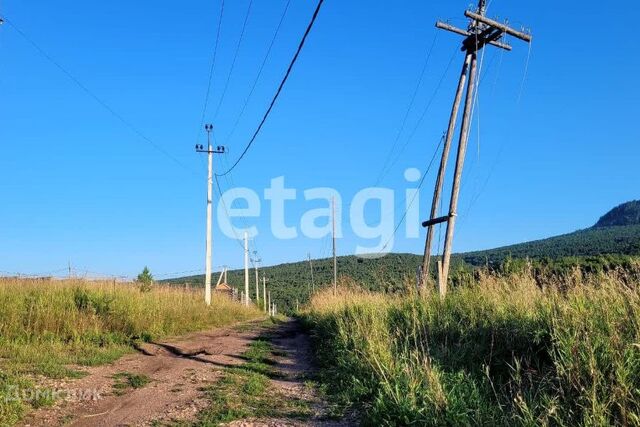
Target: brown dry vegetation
{"x":499,"y":351}
{"x":53,"y":328}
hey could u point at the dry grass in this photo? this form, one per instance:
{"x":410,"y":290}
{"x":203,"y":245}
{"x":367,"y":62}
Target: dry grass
{"x":501,"y":351}
{"x":48,"y":326}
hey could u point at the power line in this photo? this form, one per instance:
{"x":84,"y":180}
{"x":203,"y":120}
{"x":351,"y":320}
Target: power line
{"x":97,"y":98}
{"x":231,"y":183}
{"x":421,"y":118}
{"x":255,"y":81}
{"x":524,"y":77}
{"x":282,"y":83}
{"x":478,"y":193}
{"x":226,"y":212}
{"x":211,"y":69}
{"x":424,"y":175}
{"x":409,"y":107}
{"x":233,"y":63}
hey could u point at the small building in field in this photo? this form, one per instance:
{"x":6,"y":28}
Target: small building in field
{"x":224,"y":289}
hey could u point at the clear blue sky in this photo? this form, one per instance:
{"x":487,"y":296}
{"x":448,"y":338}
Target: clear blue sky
{"x":549,"y":153}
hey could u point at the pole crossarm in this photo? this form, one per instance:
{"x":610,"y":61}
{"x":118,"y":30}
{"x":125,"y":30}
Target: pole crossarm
{"x":219,"y":150}
{"x":444,"y":26}
{"x":483,"y":31}
{"x":435,"y":221}
{"x":499,"y":26}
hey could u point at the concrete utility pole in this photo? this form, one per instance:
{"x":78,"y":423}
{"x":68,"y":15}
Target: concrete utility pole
{"x":481,"y":31}
{"x":269,"y":303}
{"x":255,"y":261}
{"x":210,"y":151}
{"x":246,"y":268}
{"x":335,"y":262}
{"x":264,"y":292}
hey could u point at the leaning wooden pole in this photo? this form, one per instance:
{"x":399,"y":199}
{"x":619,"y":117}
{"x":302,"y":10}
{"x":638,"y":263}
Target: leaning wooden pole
{"x":481,"y":32}
{"x":426,"y":260}
{"x":455,"y":191}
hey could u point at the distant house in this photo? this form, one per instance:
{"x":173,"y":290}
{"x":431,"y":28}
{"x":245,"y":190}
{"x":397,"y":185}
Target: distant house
{"x":224,"y":289}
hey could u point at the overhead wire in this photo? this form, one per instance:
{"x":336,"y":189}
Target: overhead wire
{"x":233,"y":62}
{"x":211,"y":69}
{"x":226,"y":212}
{"x":526,"y":71}
{"x":409,"y":107}
{"x":252,"y":242}
{"x":422,"y":115}
{"x":96,"y":98}
{"x":477,"y":195}
{"x":420,"y":183}
{"x":231,"y":184}
{"x":257,"y":78}
{"x":279,"y":90}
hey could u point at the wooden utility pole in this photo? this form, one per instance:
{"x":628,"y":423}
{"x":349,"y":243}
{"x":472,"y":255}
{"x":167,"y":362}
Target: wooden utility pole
{"x":208,"y":239}
{"x":481,"y":31}
{"x":335,"y":261}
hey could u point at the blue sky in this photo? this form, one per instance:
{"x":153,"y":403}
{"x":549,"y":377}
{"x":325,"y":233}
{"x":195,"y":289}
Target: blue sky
{"x":551,"y":150}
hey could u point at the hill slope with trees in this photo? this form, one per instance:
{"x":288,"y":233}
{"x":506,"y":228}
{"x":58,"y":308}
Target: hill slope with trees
{"x":624,"y":214}
{"x":601,"y":246}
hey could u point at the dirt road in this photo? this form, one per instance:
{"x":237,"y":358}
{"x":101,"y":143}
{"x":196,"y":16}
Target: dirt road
{"x":166,"y":382}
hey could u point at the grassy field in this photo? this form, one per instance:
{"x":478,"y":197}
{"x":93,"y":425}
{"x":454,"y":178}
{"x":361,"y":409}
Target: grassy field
{"x":501,"y":351}
{"x":52,"y":328}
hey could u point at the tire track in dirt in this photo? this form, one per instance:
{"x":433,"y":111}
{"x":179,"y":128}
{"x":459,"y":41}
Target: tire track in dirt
{"x":294,"y":368}
{"x":177,"y":369}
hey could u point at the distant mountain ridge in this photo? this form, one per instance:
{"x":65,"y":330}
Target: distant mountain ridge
{"x":624,"y":214}
{"x":616,"y":233}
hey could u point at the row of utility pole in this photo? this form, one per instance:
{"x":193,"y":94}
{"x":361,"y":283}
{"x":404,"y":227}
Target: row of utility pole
{"x":480,"y":32}
{"x":245,"y":297}
{"x":210,"y":151}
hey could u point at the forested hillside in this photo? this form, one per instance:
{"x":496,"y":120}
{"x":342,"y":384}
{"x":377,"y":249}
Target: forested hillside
{"x":598,"y":247}
{"x":621,"y":240}
{"x":293,"y":281}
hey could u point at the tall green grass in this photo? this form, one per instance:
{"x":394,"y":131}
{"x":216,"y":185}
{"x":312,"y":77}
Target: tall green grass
{"x":52,"y":328}
{"x":501,"y":351}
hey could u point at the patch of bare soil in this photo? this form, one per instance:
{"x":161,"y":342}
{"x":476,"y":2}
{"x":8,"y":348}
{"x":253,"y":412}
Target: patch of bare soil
{"x":177,"y":371}
{"x":293,"y":350}
{"x":176,"y":374}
